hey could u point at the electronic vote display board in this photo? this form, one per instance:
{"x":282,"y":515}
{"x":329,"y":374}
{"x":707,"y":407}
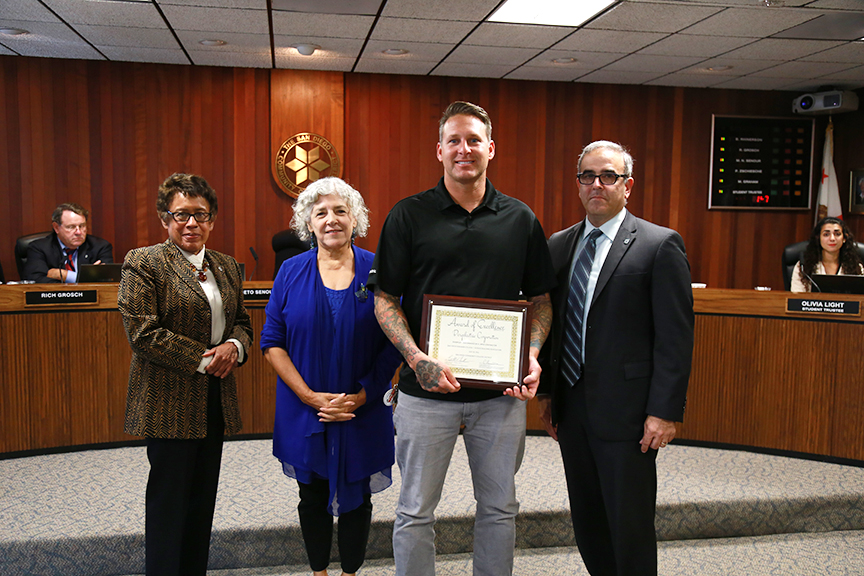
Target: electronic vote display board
{"x":761,"y":163}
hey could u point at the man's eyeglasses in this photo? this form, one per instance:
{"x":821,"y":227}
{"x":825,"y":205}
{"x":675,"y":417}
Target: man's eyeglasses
{"x":183,"y":217}
{"x":606,"y":178}
{"x":71,"y":228}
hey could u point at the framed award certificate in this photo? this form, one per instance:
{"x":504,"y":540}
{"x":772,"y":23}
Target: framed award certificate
{"x":483,"y":342}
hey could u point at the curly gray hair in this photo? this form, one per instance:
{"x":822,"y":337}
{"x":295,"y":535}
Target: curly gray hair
{"x":324,"y":187}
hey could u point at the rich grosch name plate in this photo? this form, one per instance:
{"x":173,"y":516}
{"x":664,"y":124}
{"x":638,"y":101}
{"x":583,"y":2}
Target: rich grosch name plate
{"x":484,"y":342}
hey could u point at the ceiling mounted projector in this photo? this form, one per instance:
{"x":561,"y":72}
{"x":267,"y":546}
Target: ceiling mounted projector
{"x":832,"y":102}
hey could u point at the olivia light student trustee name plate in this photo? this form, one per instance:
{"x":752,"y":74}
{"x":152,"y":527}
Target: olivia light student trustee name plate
{"x":483,"y":342}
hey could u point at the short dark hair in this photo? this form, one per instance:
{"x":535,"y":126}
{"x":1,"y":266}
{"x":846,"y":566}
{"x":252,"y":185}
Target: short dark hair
{"x":190,"y":186}
{"x":467,"y":109}
{"x":57,"y":216}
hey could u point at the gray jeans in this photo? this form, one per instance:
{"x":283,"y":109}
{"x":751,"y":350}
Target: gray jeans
{"x":494,"y":438}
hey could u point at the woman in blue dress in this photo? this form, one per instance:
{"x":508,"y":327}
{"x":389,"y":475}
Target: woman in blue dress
{"x":333,"y":432}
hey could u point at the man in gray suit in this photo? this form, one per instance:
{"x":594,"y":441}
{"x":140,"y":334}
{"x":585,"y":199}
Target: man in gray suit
{"x":617,"y":363}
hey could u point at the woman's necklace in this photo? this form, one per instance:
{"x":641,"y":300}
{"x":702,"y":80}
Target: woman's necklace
{"x":202,"y":273}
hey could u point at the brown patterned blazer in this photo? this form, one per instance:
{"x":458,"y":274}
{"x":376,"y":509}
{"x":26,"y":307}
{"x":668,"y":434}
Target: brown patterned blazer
{"x":167,"y":320}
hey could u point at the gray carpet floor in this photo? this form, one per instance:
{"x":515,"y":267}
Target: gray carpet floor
{"x":727,"y":512}
{"x":823,"y":554}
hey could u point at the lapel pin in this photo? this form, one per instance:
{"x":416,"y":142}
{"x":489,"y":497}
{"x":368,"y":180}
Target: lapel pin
{"x":626,"y":241}
{"x":362,"y":295}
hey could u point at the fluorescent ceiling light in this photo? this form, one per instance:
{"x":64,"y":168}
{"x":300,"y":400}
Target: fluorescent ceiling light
{"x":549,"y":12}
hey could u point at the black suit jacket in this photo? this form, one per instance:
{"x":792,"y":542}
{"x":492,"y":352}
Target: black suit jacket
{"x":45,"y":253}
{"x":639,"y":334}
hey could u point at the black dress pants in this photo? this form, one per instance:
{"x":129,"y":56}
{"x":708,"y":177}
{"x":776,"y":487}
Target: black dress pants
{"x":181,"y":496}
{"x":613,"y":492}
{"x":316,"y":523}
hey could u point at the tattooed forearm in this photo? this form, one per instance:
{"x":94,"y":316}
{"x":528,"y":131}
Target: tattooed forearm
{"x":428,"y":374}
{"x":541,"y":321}
{"x":393,"y":322}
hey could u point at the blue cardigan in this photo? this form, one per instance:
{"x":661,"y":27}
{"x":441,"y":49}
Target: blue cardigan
{"x":332,"y":357}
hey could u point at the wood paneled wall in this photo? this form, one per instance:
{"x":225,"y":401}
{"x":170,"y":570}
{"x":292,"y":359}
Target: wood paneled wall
{"x":105,"y":134}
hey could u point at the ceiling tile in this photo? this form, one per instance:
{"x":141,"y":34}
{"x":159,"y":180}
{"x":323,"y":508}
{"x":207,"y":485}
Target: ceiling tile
{"x":856,"y":73}
{"x":829,"y":26}
{"x":258,"y":4}
{"x":751,"y":23}
{"x":132,"y":37}
{"x":730,"y":3}
{"x":647,"y":17}
{"x":144,"y":54}
{"x":613,"y":77}
{"x":238,"y":59}
{"x":687,"y":80}
{"x":217,"y":19}
{"x":290,"y":59}
{"x":376,"y":66}
{"x":584,"y":60}
{"x":837,"y":4}
{"x":472,"y":70}
{"x":330,"y":47}
{"x":803,"y":70}
{"x":133,"y":14}
{"x":690,"y":45}
{"x":851,"y":52}
{"x":417,"y":51}
{"x":367,"y":7}
{"x":473,"y":11}
{"x":659,"y":64}
{"x":703,"y":33}
{"x":486,"y":55}
{"x":495,"y":34}
{"x":756,"y":83}
{"x":25,"y":10}
{"x":563,"y":73}
{"x":608,"y":40}
{"x":780,"y":48}
{"x":417,"y":30}
{"x":235,"y":42}
{"x":326,"y":25}
{"x":49,"y":40}
{"x":739,"y":67}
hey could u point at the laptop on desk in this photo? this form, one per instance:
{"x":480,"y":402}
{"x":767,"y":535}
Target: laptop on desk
{"x":833,"y":284}
{"x":99,"y":273}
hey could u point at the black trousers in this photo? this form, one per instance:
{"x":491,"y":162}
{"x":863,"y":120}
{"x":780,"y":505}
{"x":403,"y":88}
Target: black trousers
{"x":181,"y":496}
{"x":316,"y":523}
{"x":613,"y":492}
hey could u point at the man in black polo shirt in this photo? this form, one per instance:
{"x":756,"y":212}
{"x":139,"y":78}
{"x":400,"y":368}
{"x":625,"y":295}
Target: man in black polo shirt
{"x":461,"y":238}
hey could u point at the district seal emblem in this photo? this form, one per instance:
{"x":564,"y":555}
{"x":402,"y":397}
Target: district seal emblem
{"x":303,"y":159}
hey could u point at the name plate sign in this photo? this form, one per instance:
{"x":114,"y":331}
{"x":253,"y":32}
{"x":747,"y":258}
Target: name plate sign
{"x":256,"y":293}
{"x":484,"y":342}
{"x":806,"y":305}
{"x":55,"y":297}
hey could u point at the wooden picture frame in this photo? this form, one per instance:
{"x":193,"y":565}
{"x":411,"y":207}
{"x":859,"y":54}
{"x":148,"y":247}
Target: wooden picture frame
{"x":856,"y":191}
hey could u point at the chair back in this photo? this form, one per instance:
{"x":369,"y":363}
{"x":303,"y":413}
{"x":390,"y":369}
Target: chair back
{"x":21,"y":245}
{"x":286,"y":244}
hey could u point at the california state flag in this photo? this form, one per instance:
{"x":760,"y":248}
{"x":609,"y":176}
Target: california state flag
{"x":829,"y":193}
